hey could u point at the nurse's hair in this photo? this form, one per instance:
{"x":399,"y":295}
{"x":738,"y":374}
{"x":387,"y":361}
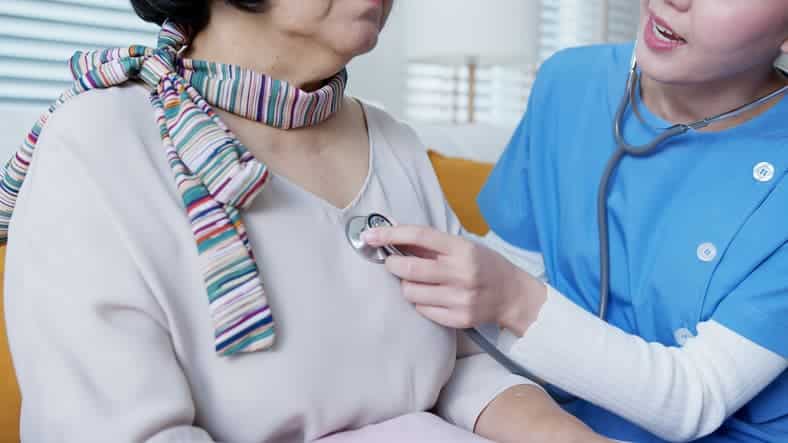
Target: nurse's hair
{"x":194,"y":13}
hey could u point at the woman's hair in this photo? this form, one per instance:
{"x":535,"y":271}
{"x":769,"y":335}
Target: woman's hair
{"x":194,"y":13}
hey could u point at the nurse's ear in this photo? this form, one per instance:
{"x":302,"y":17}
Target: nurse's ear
{"x":782,"y":61}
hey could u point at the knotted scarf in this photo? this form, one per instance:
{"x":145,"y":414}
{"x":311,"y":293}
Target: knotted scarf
{"x":215,"y":175}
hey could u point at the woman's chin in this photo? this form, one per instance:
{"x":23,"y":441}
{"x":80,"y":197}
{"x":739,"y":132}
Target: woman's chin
{"x":363,"y":40}
{"x":368,"y":44}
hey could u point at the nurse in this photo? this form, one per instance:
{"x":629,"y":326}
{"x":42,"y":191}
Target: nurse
{"x":695,"y":342}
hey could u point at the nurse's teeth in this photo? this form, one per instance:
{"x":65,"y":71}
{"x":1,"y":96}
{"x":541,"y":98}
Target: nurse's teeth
{"x":665,"y":34}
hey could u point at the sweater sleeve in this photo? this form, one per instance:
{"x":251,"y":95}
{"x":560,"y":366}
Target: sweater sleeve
{"x":90,"y":344}
{"x":477,"y":379}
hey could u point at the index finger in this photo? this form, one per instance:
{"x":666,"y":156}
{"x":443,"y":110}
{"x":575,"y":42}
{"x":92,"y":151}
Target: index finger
{"x":408,"y":235}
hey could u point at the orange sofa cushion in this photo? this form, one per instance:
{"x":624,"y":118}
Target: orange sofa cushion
{"x":461,"y":181}
{"x":9,"y":391}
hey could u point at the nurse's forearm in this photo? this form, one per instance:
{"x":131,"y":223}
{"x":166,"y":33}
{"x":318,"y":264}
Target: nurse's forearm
{"x":526,"y":414}
{"x":529,"y":296}
{"x":678,"y":394}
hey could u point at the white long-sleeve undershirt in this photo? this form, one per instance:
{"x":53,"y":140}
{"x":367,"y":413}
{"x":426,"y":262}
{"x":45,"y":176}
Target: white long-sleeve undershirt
{"x":677,"y":393}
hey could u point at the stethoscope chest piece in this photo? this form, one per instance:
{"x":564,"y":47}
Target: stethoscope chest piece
{"x":357,"y":225}
{"x":354,"y":228}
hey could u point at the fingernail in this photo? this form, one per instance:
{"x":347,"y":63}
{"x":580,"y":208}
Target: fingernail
{"x":369,"y":236}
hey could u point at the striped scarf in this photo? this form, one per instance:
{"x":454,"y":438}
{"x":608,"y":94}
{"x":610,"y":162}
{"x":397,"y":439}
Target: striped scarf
{"x":214,"y":173}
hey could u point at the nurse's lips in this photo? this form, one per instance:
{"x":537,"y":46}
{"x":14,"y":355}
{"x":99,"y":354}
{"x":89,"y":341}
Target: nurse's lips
{"x":659,"y":36}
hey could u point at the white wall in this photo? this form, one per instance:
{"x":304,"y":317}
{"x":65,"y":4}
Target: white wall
{"x":15,"y":122}
{"x":379,"y":77}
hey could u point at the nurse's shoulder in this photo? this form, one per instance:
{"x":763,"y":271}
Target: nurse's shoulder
{"x":571,"y":74}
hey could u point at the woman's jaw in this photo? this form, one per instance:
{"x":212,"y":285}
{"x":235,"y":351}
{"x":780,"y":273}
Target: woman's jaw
{"x":303,"y":43}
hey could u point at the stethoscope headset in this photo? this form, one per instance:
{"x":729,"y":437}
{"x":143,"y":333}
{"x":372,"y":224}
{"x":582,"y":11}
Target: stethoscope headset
{"x":357,"y":225}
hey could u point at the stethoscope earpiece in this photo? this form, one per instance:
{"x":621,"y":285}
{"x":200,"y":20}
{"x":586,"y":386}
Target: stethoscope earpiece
{"x":781,"y":64}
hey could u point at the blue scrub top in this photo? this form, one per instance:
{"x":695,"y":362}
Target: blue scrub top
{"x":698,"y":231}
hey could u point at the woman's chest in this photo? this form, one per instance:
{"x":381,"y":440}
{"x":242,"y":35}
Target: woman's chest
{"x":349,"y":349}
{"x":336,"y":175}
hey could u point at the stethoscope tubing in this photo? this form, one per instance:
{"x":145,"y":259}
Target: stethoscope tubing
{"x":623,"y":149}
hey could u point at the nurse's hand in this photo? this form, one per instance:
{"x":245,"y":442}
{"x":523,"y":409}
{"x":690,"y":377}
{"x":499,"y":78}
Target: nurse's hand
{"x":458,"y":283}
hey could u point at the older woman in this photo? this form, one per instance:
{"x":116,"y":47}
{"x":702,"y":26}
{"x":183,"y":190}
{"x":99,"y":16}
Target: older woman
{"x":122,"y":330}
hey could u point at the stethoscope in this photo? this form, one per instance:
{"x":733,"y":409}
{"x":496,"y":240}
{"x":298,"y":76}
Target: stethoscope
{"x":353,"y":230}
{"x":644,"y":150}
{"x":357,"y":225}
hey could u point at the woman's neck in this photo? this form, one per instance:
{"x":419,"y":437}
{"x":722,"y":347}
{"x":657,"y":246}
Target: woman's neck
{"x":250,"y":41}
{"x":243,"y":39}
{"x":688,"y":103}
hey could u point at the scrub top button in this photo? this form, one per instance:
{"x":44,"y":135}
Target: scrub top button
{"x":707,"y":252}
{"x":763,"y":172}
{"x":682,"y":335}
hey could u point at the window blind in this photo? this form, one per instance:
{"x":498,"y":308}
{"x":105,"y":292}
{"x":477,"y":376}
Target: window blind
{"x":567,"y":23}
{"x":439,"y":93}
{"x":37,"y":37}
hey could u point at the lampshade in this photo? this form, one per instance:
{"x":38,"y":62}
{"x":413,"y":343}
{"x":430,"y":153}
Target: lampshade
{"x":478,"y":31}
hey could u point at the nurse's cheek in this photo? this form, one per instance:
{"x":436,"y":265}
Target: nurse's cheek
{"x":458,"y":283}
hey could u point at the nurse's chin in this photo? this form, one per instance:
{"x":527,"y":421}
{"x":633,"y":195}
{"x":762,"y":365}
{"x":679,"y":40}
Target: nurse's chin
{"x":670,"y":72}
{"x":677,"y":67}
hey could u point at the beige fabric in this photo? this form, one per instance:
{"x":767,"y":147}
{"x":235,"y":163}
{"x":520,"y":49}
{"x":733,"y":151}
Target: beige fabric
{"x":107,"y":313}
